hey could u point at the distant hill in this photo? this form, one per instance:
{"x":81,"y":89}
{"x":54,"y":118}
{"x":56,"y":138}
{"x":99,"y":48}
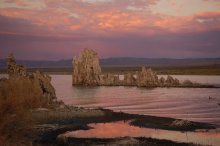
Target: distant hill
{"x":40,"y":64}
{"x":128,"y":61}
{"x":159,"y":62}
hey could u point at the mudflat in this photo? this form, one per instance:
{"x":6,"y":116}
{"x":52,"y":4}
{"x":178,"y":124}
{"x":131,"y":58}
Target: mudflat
{"x":50,"y":123}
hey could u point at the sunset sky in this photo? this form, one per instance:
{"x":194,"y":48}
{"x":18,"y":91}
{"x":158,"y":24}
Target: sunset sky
{"x":60,"y":29}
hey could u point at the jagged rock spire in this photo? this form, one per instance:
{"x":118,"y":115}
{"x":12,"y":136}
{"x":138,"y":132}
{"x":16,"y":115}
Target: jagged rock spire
{"x":87,"y":70}
{"x":14,"y":69}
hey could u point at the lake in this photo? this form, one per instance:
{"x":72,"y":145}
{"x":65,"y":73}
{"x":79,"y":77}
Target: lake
{"x":124,"y":129}
{"x":185,"y":103}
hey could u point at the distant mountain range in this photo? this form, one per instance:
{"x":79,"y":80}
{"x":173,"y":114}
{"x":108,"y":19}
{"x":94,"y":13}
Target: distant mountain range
{"x":128,"y":61}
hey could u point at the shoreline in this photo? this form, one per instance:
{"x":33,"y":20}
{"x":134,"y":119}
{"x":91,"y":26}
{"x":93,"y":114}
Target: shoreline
{"x":53,"y":122}
{"x":194,"y":85}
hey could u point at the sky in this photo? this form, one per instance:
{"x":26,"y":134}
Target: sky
{"x":60,"y":29}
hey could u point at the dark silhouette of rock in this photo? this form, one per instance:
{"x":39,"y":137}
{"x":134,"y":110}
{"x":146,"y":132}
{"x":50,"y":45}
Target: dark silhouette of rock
{"x":39,"y":80}
{"x":87,"y":70}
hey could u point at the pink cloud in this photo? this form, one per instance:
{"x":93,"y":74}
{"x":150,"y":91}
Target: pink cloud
{"x":66,"y":17}
{"x":112,"y":26}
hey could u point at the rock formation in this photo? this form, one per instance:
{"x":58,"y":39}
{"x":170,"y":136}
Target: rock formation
{"x":147,"y":78}
{"x":15,"y":69}
{"x":87,"y":70}
{"x":129,"y":80}
{"x":162,"y":81}
{"x":187,"y":83}
{"x":182,"y":124}
{"x":44,"y":81}
{"x":170,"y":81}
{"x":110,"y":80}
{"x":39,"y":80}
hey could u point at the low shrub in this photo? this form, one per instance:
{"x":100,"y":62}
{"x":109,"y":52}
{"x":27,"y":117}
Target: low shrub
{"x":17,"y":97}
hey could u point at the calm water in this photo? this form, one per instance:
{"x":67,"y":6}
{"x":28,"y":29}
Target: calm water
{"x":185,"y":103}
{"x":123,"y":129}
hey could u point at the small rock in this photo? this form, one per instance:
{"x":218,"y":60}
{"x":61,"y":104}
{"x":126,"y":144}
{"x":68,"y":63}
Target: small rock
{"x":182,"y":123}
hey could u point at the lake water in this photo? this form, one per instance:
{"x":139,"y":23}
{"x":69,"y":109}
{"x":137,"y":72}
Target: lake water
{"x":124,"y":129}
{"x":185,"y":103}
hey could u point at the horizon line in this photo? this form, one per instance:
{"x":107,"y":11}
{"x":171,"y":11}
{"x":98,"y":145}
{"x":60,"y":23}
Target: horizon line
{"x":64,"y":59}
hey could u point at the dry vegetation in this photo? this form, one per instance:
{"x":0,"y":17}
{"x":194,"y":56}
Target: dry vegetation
{"x":17,"y":97}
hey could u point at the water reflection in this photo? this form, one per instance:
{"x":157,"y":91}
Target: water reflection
{"x":85,"y":92}
{"x":123,"y":129}
{"x":87,"y":95}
